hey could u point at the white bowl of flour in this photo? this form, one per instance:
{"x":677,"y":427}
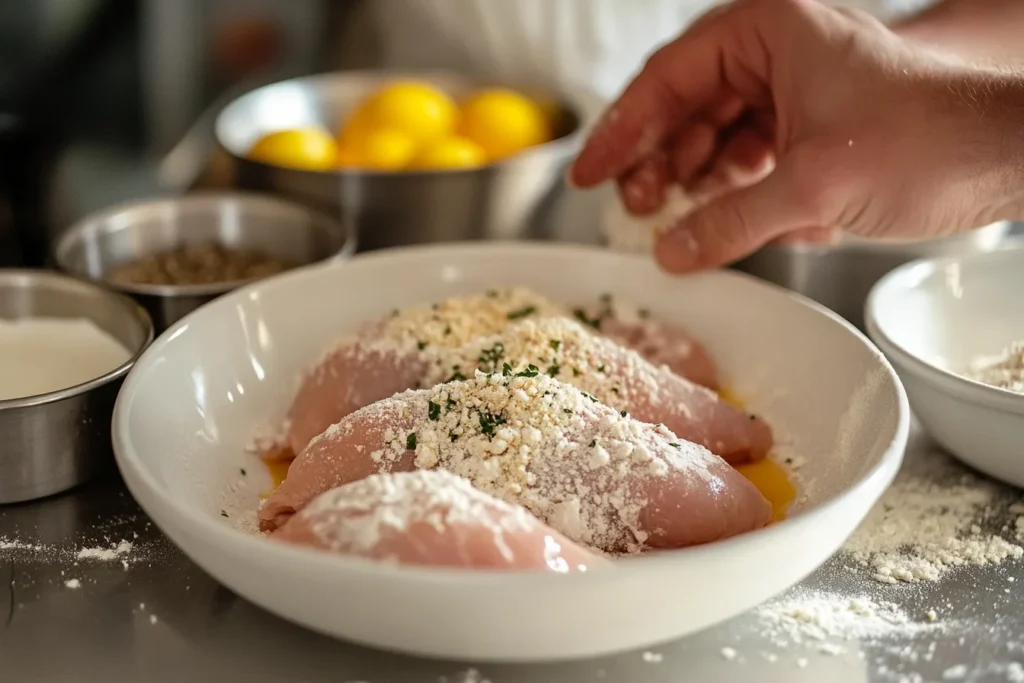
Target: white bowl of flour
{"x":953,"y":328}
{"x":189,"y":411}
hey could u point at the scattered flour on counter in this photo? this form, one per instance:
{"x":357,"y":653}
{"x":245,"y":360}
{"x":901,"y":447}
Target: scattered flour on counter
{"x":7,"y":544}
{"x":114,"y":552}
{"x":813,"y":619}
{"x":921,"y":529}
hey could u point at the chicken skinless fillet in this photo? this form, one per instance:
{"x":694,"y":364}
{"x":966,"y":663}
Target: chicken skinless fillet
{"x":362,"y":372}
{"x":594,"y":474}
{"x":432,"y":518}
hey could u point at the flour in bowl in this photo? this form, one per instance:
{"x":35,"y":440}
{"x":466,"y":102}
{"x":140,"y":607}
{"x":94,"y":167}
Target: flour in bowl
{"x":1005,"y":371}
{"x":40,"y":355}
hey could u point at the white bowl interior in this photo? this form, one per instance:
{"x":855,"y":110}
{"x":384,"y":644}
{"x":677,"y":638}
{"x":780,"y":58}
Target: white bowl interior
{"x":948,"y":312}
{"x":194,"y":401}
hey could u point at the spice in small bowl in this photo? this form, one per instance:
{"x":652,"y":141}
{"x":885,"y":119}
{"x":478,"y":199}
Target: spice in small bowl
{"x":197,"y":265}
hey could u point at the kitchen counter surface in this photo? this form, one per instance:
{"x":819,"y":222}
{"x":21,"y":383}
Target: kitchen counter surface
{"x":151,"y":615}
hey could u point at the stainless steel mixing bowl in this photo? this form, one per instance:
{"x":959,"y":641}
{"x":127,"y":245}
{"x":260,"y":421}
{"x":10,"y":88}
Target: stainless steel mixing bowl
{"x":52,"y":442}
{"x":509,"y":199}
{"x":124,"y":233}
{"x":840,"y":276}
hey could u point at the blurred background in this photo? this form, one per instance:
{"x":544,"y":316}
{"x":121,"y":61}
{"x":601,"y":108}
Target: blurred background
{"x":106,"y":101}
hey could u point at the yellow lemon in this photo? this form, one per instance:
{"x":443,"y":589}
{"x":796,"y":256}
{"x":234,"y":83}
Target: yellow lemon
{"x":356,"y":127}
{"x":417,"y":109}
{"x":450,"y":153}
{"x":310,"y":149}
{"x":349,"y":157}
{"x":503,"y":122}
{"x":387,"y":149}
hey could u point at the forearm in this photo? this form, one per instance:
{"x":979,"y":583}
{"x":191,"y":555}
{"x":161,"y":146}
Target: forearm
{"x":987,"y":108}
{"x":981,"y":30}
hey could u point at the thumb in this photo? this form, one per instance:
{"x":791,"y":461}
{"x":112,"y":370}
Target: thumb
{"x":734,"y":224}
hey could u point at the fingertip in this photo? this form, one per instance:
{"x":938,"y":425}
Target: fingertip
{"x":643,"y":188}
{"x":677,"y":250}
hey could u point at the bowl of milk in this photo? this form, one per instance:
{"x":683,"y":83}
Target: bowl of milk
{"x":65,"y":347}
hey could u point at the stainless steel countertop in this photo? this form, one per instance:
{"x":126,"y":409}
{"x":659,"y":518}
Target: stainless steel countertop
{"x":163,"y":619}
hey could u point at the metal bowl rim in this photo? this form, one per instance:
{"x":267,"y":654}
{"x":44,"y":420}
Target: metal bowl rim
{"x":558,"y":145}
{"x":348,"y":237}
{"x":131,"y":308}
{"x":872,"y":247}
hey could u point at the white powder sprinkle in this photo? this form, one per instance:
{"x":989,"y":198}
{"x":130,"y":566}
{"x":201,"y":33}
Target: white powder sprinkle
{"x":1004,"y":371}
{"x":921,"y":529}
{"x":626,"y":232}
{"x":814,"y":619}
{"x":105,"y":554}
{"x":73,"y":583}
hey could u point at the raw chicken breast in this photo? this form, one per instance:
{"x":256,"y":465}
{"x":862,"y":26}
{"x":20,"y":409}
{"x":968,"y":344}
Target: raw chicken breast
{"x":594,"y":474}
{"x":557,"y":346}
{"x":618,"y":377}
{"x":385,"y":356}
{"x":432,"y":518}
{"x":659,"y":342}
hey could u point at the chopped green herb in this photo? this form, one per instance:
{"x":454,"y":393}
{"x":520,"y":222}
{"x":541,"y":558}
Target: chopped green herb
{"x":421,"y":345}
{"x":589,"y":396}
{"x":593,"y":443}
{"x":242,"y":470}
{"x":553,"y":370}
{"x":567,"y":411}
{"x":530,"y":371}
{"x":489,"y":357}
{"x":576,"y":372}
{"x":615,"y":390}
{"x":600,"y":368}
{"x":555,"y":343}
{"x":450,"y":403}
{"x":453,"y":436}
{"x":457,"y":375}
{"x":489,"y":421}
{"x":623,"y":413}
{"x":223,"y":514}
{"x":410,"y":441}
{"x":447,"y":330}
{"x":522,"y":313}
{"x":433,"y":411}
{"x":675,"y":445}
{"x":506,"y":370}
{"x":582,"y":316}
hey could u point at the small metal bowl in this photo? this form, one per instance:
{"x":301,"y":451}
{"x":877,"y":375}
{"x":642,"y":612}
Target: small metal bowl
{"x":127,"y":232}
{"x":512,"y":198}
{"x":839,"y":276}
{"x":52,"y":442}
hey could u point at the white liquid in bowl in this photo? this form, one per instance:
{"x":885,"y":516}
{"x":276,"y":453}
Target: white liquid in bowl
{"x":40,"y":355}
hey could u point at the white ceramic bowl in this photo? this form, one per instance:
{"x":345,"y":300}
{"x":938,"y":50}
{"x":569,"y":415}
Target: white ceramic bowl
{"x":932,"y":318}
{"x":191,"y":404}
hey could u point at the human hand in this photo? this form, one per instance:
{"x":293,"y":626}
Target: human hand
{"x":865,"y":133}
